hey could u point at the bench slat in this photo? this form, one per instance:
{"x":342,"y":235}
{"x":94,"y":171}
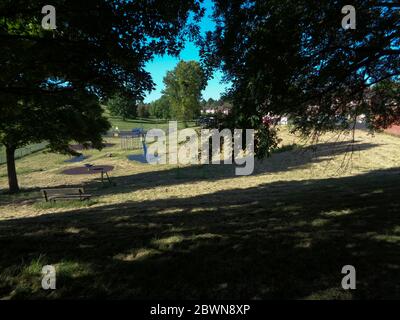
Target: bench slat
{"x":65,"y":193}
{"x":71,"y":196}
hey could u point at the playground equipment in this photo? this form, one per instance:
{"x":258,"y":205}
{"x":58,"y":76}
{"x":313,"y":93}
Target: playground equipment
{"x":90,"y":169}
{"x":130,"y":143}
{"x":115,"y":132}
{"x":142,"y":158}
{"x":133,"y":140}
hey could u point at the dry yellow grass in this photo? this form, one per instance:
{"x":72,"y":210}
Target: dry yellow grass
{"x":334,"y":156}
{"x":201,"y":231}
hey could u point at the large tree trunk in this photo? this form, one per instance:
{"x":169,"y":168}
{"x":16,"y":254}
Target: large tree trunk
{"x":12,"y":172}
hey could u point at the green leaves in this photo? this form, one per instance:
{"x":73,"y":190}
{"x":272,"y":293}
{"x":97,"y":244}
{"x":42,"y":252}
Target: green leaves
{"x":294,"y":58}
{"x":161,"y":108}
{"x":183,"y":88}
{"x":121,"y":105}
{"x":51,"y":81}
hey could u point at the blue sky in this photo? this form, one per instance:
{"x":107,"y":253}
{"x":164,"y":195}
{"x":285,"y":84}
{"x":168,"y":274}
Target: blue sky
{"x":161,"y":64}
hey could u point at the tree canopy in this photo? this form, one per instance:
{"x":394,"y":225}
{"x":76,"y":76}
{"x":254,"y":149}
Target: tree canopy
{"x":161,"y":108}
{"x":51,"y":80}
{"x":122,"y":105}
{"x":143,"y":110}
{"x":294,"y":57}
{"x":183,"y":88}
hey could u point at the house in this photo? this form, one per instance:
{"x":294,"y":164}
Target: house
{"x":220,"y":109}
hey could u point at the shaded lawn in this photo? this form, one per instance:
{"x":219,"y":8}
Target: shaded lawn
{"x":286,"y":239}
{"x":292,"y":158}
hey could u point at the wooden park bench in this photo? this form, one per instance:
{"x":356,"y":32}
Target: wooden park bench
{"x":65,"y":194}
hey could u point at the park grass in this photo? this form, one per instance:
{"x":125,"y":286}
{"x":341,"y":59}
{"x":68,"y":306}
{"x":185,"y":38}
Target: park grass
{"x":199,"y":232}
{"x":115,"y":121}
{"x":144,"y":123}
{"x":64,"y":204}
{"x":129,"y":124}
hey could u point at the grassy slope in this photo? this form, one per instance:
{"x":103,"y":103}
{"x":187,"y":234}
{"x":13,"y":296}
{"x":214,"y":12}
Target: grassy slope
{"x":129,"y":124}
{"x":201,"y":232}
{"x":146,"y":124}
{"x":123,"y":125}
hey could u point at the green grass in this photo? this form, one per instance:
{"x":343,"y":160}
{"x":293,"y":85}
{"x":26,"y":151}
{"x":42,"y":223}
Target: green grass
{"x":64,"y":204}
{"x":22,"y":152}
{"x":26,"y":278}
{"x":144,"y":123}
{"x":123,"y":125}
{"x":23,"y":195}
{"x":22,"y":171}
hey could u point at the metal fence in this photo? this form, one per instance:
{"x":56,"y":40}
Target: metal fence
{"x":22,"y":152}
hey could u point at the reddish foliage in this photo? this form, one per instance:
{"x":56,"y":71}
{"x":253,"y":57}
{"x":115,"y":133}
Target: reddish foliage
{"x":393,"y":130}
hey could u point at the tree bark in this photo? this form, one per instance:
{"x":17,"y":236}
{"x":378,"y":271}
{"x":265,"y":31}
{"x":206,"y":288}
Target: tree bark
{"x":11,"y":171}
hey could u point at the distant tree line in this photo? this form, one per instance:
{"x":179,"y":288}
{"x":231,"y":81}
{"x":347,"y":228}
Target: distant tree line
{"x":180,"y":100}
{"x":160,"y":108}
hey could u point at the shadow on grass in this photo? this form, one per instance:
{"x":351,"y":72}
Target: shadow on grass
{"x":282,"y":240}
{"x":282,"y":161}
{"x":285,"y":159}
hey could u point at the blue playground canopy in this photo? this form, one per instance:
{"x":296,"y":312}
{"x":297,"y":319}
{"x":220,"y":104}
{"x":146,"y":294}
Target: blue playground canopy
{"x":138,"y":132}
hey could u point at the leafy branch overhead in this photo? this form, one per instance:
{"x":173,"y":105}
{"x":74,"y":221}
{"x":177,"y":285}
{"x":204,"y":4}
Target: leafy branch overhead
{"x":51,"y":82}
{"x":294,"y":58}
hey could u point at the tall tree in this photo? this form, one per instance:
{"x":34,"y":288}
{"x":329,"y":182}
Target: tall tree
{"x":183,"y":88}
{"x":50,"y":81}
{"x":161,"y":108}
{"x":294,"y":57}
{"x":384,"y":104}
{"x":143,"y":110}
{"x":122,"y":106}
